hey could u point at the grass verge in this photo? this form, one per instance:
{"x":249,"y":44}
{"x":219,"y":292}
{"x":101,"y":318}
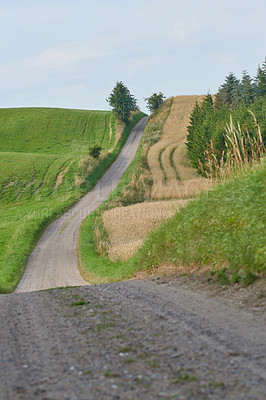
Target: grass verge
{"x":94,"y":266}
{"x":223,"y":229}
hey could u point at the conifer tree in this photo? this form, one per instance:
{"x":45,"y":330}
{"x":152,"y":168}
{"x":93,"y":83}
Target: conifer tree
{"x":228,"y":92}
{"x":122,"y":102}
{"x":247,"y":89}
{"x":261,"y":79}
{"x":200,"y":131}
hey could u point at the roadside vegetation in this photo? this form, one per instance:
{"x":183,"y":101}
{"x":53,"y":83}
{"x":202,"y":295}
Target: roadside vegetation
{"x":222,"y":230}
{"x":239,"y":103}
{"x":45,"y":167}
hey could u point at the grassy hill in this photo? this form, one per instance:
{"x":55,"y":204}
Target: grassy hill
{"x":44,"y":168}
{"x":39,"y":145}
{"x":48,"y":130}
{"x":224,"y":229}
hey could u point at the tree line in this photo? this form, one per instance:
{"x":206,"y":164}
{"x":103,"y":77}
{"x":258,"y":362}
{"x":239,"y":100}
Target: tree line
{"x":234,"y":99}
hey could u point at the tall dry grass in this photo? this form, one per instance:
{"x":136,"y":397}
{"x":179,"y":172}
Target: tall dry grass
{"x":241,"y":150}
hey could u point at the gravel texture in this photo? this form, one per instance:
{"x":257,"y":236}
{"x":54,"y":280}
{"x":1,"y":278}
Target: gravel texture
{"x":142,"y":339}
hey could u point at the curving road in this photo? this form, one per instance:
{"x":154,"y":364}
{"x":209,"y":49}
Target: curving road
{"x":53,"y":263}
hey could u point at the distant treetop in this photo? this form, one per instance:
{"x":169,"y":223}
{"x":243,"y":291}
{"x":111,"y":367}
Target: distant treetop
{"x":154,"y":101}
{"x":122,"y":102}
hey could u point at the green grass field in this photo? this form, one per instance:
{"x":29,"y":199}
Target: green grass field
{"x":48,"y":130}
{"x":44,"y":168}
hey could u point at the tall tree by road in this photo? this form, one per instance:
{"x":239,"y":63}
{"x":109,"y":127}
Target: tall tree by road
{"x":122,"y":102}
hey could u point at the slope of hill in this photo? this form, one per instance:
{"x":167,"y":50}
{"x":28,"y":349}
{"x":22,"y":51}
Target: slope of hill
{"x":172,"y":178}
{"x":53,"y":130}
{"x":222,"y":229}
{"x":172,"y":175}
{"x":44,"y":168}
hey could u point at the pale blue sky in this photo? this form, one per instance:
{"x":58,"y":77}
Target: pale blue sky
{"x":63,"y":53}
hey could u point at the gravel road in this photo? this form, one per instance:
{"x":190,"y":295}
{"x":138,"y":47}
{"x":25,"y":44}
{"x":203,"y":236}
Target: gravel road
{"x":53,"y":263}
{"x":131,"y":340}
{"x":140,"y":339}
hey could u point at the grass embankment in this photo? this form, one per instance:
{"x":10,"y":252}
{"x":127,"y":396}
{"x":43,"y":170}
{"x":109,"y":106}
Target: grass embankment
{"x":44,"y":169}
{"x":223,"y":229}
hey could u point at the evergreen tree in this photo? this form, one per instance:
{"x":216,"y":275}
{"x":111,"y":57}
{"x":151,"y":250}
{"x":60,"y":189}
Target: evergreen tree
{"x":235,"y":99}
{"x":261,"y":79}
{"x":228,"y":93}
{"x":122,"y":102}
{"x":194,"y":124}
{"x":200,"y":131}
{"x":247,"y":89}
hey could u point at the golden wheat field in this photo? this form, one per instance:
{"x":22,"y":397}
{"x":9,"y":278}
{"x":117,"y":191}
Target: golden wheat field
{"x":127,"y":227}
{"x":174,"y":182}
{"x":172,"y":175}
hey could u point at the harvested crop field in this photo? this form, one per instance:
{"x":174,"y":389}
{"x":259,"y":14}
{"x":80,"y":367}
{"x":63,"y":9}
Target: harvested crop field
{"x":127,"y":227}
{"x":174,"y":183}
{"x":172,"y":175}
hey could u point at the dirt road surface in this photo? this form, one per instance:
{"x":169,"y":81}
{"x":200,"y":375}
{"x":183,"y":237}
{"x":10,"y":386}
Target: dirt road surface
{"x":53,"y":263}
{"x":131,"y":340}
{"x":141,"y":339}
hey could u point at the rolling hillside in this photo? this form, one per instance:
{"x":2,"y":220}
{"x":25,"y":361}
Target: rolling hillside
{"x":221,"y":231}
{"x":171,"y":175}
{"x":44,"y":168}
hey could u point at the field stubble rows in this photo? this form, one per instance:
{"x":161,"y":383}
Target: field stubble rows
{"x":173,"y":178}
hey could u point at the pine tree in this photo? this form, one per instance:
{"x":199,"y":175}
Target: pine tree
{"x":228,"y":93}
{"x":247,"y":89}
{"x":200,"y":131}
{"x":261,"y":79}
{"x":194,"y":123}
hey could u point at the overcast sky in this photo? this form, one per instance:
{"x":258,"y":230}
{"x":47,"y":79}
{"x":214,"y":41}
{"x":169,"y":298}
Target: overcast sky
{"x":71,"y":53}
